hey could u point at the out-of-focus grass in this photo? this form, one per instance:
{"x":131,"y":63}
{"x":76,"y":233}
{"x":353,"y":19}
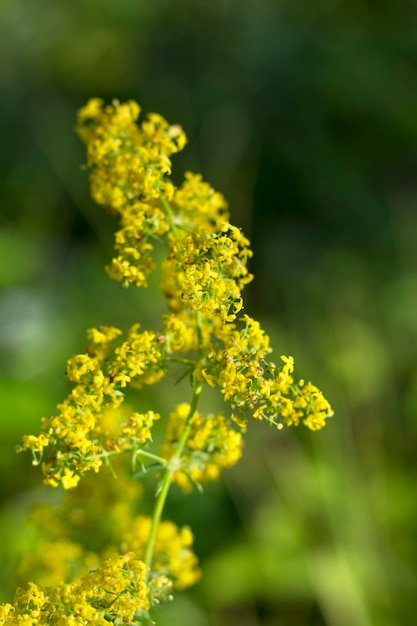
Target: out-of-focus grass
{"x":304,"y":115}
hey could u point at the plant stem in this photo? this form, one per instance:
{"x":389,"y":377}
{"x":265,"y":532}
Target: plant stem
{"x":149,"y":455}
{"x":170,"y":214}
{"x":199,"y":334}
{"x":173,"y":463}
{"x":174,"y":359}
{"x":168,"y":472}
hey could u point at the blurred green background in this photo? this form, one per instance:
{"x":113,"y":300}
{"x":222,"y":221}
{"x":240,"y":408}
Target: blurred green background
{"x":304,"y":114}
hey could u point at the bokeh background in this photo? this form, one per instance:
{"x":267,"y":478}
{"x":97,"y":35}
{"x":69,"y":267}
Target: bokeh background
{"x":304,"y":114}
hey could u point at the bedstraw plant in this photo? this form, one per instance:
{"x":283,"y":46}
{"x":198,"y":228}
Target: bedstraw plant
{"x":96,"y":561}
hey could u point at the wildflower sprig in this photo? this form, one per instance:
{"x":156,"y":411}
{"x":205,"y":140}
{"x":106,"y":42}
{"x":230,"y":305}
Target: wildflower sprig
{"x":117,"y":592}
{"x":205,"y":331}
{"x":212,"y":445}
{"x":97,"y":520}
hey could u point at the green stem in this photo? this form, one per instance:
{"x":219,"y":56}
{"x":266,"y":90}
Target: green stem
{"x":107,"y":453}
{"x":199,"y":334}
{"x":170,"y":214}
{"x":170,"y":469}
{"x":174,"y":359}
{"x":149,"y":455}
{"x":173,"y":463}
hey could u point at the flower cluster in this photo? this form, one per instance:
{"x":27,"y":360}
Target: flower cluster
{"x":238,"y":364}
{"x":128,"y":166}
{"x":67,"y":539}
{"x":116,"y":592}
{"x":80,"y":436}
{"x":206,"y":271}
{"x":211,"y":446}
{"x":172,"y":555}
{"x":96,"y":521}
{"x":202,"y":277}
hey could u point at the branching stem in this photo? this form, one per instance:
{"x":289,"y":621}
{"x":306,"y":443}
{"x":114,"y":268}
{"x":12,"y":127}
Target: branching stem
{"x":173,"y":463}
{"x":168,"y":472}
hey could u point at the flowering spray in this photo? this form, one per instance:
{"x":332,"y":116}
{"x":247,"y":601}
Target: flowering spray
{"x":98,"y":561}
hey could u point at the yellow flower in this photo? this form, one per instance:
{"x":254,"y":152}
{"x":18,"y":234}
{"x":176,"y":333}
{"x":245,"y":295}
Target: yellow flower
{"x":173,"y":556}
{"x":69,"y":479}
{"x":115,"y":592}
{"x":196,"y":203}
{"x":212,"y":445}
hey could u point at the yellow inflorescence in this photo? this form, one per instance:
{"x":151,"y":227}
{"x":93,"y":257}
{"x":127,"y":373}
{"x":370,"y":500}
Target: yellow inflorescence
{"x":205,"y":331}
{"x":197,"y":204}
{"x":204,"y":273}
{"x":78,"y":439}
{"x":212,"y":445}
{"x":238,"y":364}
{"x":96,"y":521}
{"x":128,"y":165}
{"x":172,"y":556}
{"x":71,"y":537}
{"x":116,"y":592}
